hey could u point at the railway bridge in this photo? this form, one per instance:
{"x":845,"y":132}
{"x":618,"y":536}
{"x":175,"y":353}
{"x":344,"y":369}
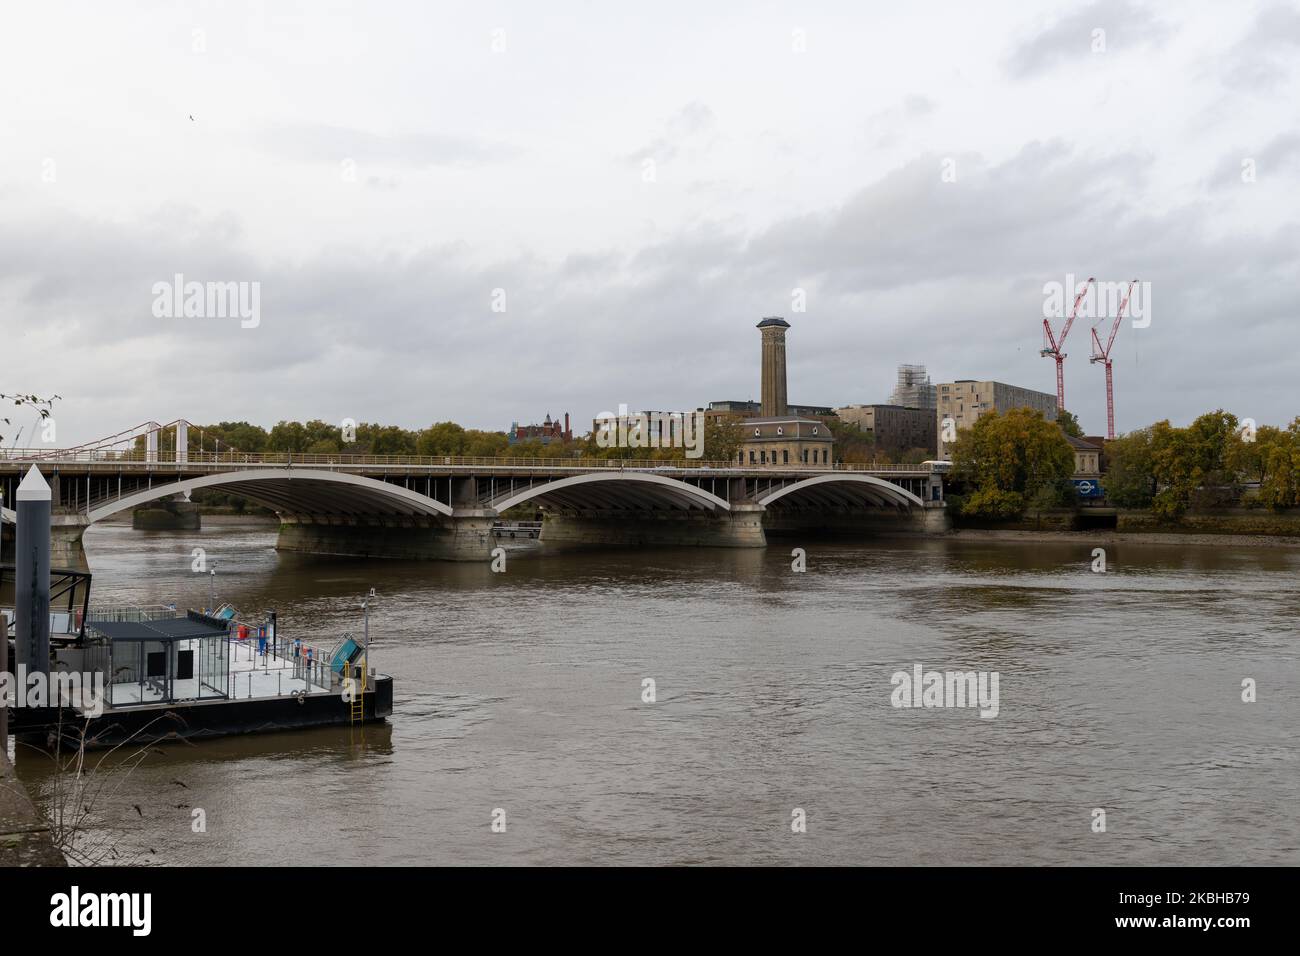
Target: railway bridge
{"x":442,"y":507}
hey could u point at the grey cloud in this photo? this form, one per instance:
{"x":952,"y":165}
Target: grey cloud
{"x":1068,"y":40}
{"x":1266,"y":54}
{"x":909,"y":268}
{"x":1279,"y":156}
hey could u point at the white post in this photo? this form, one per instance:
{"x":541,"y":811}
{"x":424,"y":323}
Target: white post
{"x":182,"y":442}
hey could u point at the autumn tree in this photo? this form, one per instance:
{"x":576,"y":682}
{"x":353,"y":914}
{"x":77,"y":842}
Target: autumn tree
{"x":1010,"y":460}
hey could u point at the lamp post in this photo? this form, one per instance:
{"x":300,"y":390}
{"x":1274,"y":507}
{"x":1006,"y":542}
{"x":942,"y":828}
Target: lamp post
{"x":212,"y":588}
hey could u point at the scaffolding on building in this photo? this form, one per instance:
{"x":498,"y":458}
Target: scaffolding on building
{"x":914,"y":388}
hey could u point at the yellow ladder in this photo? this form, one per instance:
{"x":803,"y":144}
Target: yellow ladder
{"x":359,"y":695}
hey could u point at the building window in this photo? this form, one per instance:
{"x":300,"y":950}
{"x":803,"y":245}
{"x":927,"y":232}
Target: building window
{"x":757,"y":432}
{"x":740,"y":458}
{"x":762,"y":457}
{"x":751,"y":457}
{"x":785,"y":456}
{"x":780,"y":430}
{"x":805,"y":456}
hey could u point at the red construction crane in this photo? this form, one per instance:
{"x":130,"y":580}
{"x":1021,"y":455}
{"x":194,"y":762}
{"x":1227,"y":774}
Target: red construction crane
{"x":1053,"y":345}
{"x":1102,"y":355}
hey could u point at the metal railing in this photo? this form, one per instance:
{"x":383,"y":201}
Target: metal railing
{"x":280,"y":657}
{"x":198,"y":460}
{"x":130,"y":613}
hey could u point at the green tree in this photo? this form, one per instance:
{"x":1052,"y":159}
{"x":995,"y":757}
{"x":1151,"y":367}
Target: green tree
{"x":481,"y":444}
{"x":240,"y":436}
{"x":1280,"y":486}
{"x":1171,"y":464}
{"x":375,"y":439}
{"x":1249,"y":459}
{"x":1130,"y":480}
{"x":287,"y":436}
{"x":1008,"y":460}
{"x":444,"y":438}
{"x":724,"y":438}
{"x":1191,"y":465}
{"x":852,"y":443}
{"x":1069,"y":423}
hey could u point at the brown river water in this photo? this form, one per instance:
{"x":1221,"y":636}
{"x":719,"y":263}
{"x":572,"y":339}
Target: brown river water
{"x":523,"y":692}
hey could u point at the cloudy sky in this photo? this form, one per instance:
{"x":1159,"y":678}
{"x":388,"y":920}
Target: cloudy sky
{"x":643,"y":182}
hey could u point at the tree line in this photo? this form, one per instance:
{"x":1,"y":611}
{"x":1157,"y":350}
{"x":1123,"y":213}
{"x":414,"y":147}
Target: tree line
{"x":1214,"y":462}
{"x":1007,"y":464}
{"x":722,"y":441}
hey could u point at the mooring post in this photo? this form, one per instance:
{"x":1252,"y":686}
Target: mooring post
{"x":4,"y":643}
{"x":32,"y":574}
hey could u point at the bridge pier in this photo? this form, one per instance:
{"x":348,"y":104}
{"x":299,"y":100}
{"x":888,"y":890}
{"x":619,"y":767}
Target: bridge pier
{"x":463,"y":536}
{"x":66,"y":550}
{"x":177,"y":513}
{"x":742,"y":527}
{"x":858,"y":522}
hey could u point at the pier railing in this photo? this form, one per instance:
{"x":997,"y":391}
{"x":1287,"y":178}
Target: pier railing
{"x":130,"y":612}
{"x":314,"y":670}
{"x":280,"y":459}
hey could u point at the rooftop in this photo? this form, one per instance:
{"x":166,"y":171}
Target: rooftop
{"x":782,"y":420}
{"x":1078,"y":444}
{"x":190,"y":627}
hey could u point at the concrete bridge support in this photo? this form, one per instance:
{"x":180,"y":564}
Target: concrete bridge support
{"x":858,"y":523}
{"x":177,"y":513}
{"x":463,"y":536}
{"x":741,"y":527}
{"x":66,"y":551}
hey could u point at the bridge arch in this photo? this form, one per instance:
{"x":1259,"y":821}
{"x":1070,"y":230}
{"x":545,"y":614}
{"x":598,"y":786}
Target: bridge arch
{"x":845,"y":488}
{"x":293,"y":491}
{"x":616,"y":489}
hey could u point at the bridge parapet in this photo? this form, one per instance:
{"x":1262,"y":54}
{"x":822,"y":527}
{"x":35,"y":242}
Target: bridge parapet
{"x":203,"y":461}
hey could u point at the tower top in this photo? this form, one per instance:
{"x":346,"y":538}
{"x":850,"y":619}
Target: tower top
{"x":773,"y":321}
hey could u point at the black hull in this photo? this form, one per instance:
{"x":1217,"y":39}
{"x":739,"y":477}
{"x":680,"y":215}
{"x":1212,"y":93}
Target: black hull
{"x":197,"y":721}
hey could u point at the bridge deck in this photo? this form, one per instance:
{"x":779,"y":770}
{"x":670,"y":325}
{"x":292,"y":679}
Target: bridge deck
{"x":99,"y":482}
{"x":204,"y":462}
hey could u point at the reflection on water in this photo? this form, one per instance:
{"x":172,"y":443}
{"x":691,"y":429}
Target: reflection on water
{"x":522,"y":691}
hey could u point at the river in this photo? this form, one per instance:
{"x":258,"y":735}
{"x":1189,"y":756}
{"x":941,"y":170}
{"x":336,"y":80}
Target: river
{"x":523,"y":692}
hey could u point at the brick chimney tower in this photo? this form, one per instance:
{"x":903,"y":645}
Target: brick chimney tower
{"x":774,"y":402}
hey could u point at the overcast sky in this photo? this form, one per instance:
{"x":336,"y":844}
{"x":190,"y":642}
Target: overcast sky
{"x":644,"y":182}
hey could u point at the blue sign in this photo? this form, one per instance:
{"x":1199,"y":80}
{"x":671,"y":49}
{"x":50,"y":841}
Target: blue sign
{"x":1087,"y":488}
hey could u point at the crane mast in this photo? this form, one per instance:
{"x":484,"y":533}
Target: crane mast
{"x":1053,"y":345}
{"x":1102,"y":355}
